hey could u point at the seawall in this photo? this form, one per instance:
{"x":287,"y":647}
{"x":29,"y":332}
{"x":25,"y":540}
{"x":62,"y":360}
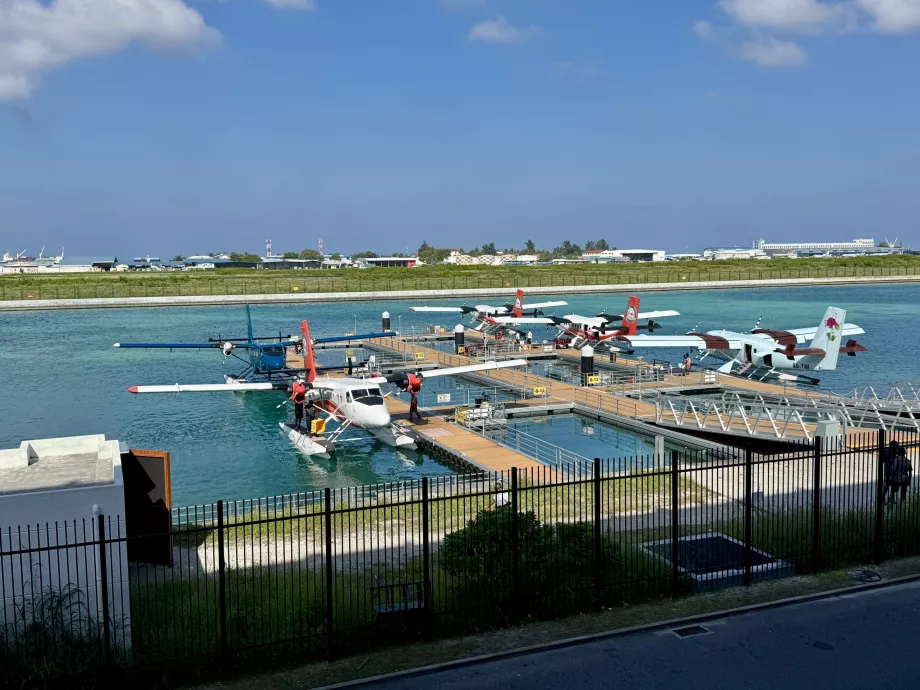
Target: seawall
{"x":507,"y":292}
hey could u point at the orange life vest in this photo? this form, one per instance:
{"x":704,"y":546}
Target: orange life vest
{"x":415,"y":384}
{"x":299,"y":394}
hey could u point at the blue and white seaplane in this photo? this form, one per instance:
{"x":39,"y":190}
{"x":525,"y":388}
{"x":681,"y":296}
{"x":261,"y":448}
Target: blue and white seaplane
{"x":343,"y":402}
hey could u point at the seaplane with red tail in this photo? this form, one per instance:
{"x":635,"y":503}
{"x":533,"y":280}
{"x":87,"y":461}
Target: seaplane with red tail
{"x":488,"y":318}
{"x":764,"y":353}
{"x":341,"y":403}
{"x":599,"y":331}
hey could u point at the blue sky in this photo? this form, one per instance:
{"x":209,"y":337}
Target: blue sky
{"x":157,"y":126}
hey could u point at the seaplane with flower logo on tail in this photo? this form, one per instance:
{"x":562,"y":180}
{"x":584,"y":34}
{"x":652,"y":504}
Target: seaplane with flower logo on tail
{"x":342,"y":403}
{"x":764,"y":353}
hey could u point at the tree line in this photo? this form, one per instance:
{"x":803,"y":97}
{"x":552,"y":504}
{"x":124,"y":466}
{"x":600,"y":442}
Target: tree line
{"x":566,"y":250}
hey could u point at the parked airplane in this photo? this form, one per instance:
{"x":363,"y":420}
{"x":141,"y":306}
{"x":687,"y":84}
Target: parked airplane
{"x":485,"y":315}
{"x":597,"y":330}
{"x":349,"y":402}
{"x":765,"y":353}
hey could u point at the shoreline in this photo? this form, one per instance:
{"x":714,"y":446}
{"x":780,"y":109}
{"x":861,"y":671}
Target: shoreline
{"x":301,"y":298}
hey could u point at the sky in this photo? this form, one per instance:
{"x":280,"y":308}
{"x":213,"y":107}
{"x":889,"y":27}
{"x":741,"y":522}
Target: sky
{"x":168,"y":127}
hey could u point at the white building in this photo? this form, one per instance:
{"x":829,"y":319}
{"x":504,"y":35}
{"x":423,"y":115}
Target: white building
{"x":725,"y":253}
{"x":51,"y":494}
{"x":613,"y":255}
{"x":858,"y":246}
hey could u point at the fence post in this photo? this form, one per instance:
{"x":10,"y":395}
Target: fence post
{"x":880,"y":499}
{"x":104,"y":586}
{"x":515,"y":544}
{"x":426,"y":562}
{"x":675,"y":524}
{"x":598,"y":554}
{"x":816,"y":507}
{"x":748,"y":512}
{"x":327,"y":513}
{"x":222,"y":579}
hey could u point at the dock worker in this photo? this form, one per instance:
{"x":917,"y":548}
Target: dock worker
{"x":902,"y":472}
{"x":529,"y":338}
{"x":298,"y":397}
{"x":414,"y":388}
{"x":501,"y":497}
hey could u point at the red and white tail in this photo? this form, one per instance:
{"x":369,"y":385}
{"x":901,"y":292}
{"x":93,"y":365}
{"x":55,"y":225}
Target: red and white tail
{"x":309,"y":360}
{"x":518,"y":309}
{"x":631,"y":315}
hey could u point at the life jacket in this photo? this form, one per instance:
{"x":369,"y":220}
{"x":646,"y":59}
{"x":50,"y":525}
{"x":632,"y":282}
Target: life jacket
{"x":299,"y":394}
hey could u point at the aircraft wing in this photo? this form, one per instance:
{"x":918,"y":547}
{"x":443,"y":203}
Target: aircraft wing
{"x":526,"y":319}
{"x":804,"y":335}
{"x":455,"y":310}
{"x":699,"y":341}
{"x":544,"y":305}
{"x":454,"y":371}
{"x":173,"y":346}
{"x":359,"y":336}
{"x":208,"y":388}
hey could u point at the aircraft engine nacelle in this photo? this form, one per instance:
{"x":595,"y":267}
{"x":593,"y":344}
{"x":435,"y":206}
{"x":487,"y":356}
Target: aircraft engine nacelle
{"x":227,"y":348}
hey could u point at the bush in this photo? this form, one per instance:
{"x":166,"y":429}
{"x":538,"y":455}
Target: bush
{"x":555,"y":571}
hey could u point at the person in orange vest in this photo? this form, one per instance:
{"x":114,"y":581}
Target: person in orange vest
{"x":414,"y":388}
{"x":298,"y":397}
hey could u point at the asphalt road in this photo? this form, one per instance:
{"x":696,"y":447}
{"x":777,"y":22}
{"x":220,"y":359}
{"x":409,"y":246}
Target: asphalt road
{"x":865,"y":640}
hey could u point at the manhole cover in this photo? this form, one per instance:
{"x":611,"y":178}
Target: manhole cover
{"x":691,"y":631}
{"x":864,"y":576}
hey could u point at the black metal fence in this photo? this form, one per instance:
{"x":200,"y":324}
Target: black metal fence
{"x":119,"y":285}
{"x":333,"y":572}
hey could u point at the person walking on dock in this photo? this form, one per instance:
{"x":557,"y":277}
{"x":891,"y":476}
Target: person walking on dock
{"x":888,"y":456}
{"x":413,"y":407}
{"x":901,"y":474}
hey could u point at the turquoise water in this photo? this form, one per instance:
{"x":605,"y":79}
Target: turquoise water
{"x":61,"y":376}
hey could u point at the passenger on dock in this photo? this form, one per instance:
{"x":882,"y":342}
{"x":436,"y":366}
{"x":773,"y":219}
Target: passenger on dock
{"x":298,"y":397}
{"x":501,"y":498}
{"x":901,"y":474}
{"x":888,"y":456}
{"x":688,"y":363}
{"x":530,"y":338}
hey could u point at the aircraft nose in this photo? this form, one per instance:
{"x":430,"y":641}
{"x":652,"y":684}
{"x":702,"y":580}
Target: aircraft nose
{"x":379,"y":417}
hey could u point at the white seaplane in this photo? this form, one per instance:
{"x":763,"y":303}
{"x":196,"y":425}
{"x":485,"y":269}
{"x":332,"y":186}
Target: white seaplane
{"x":764,"y":353}
{"x":486,"y":316}
{"x":350,"y":402}
{"x":599,"y":330}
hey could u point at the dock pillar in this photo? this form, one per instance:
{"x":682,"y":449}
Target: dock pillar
{"x":587,"y":363}
{"x":659,"y":451}
{"x":386,"y":322}
{"x":459,"y":339}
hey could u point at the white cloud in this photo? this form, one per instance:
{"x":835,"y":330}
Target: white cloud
{"x":771,"y":52}
{"x":762,"y":23}
{"x":36,"y":37}
{"x":305,"y":5}
{"x":500,"y":30}
{"x":796,"y":15}
{"x":892,"y":16}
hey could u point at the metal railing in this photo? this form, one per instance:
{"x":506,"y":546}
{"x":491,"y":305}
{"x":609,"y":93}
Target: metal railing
{"x":103,"y":600}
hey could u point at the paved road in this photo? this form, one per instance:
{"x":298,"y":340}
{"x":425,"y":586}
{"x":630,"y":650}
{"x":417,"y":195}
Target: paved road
{"x":869,"y":640}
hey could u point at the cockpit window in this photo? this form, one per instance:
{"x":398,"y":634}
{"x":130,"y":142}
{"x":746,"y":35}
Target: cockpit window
{"x":371,"y":396}
{"x":273,"y":351}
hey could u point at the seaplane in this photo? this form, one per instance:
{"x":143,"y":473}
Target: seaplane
{"x":265,"y":357}
{"x":343,"y":402}
{"x":486,"y":317}
{"x":768,"y":354}
{"x":599,"y":330}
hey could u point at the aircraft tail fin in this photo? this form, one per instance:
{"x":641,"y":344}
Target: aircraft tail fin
{"x":828,"y":336}
{"x":248,"y":323}
{"x":518,"y":309}
{"x":309,"y":359}
{"x":631,"y":315}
